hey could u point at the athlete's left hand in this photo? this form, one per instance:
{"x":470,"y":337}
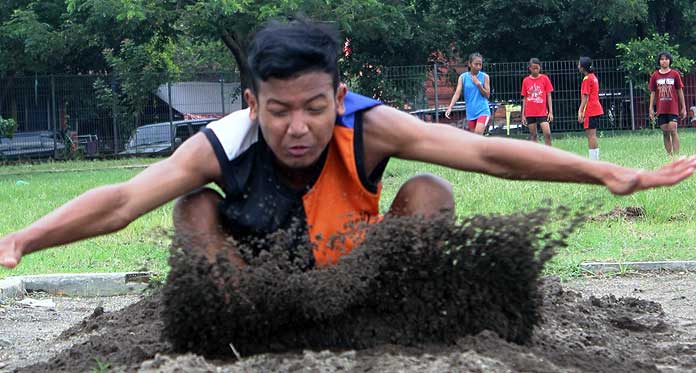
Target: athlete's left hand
{"x":626,"y":180}
{"x":682,"y":114}
{"x":475,"y":80}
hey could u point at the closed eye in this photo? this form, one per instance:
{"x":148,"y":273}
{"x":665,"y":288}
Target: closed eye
{"x":278,"y":113}
{"x":316,"y":110}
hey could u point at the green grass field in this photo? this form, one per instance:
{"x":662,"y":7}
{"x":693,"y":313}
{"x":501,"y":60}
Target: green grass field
{"x":666,"y":232}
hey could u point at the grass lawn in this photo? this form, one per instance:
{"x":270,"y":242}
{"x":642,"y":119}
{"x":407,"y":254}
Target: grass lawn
{"x":666,"y":232}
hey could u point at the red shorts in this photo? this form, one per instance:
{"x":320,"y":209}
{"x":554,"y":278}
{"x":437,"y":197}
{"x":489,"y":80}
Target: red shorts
{"x":482,"y":119}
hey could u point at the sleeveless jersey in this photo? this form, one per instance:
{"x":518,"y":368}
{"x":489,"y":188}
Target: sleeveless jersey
{"x":257,"y":203}
{"x":476,"y":104}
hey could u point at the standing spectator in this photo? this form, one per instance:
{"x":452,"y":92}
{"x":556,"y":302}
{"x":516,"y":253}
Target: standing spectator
{"x":537,"y":107}
{"x":668,"y":83}
{"x":477,"y":89}
{"x":590,"y":109}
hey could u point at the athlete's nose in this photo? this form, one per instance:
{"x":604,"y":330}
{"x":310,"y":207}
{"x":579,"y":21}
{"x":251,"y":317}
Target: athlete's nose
{"x":298,"y":124}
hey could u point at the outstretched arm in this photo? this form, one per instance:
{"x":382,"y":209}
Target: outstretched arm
{"x":110,"y":208}
{"x":393,"y":133}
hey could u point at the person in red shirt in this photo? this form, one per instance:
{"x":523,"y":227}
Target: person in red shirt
{"x":590,"y":109}
{"x":668,"y":83}
{"x":536,"y":105}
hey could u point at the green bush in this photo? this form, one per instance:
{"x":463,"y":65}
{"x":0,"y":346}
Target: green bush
{"x":7,"y":127}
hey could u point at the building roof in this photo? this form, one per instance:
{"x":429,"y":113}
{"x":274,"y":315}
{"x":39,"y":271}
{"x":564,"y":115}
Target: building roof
{"x":197,"y":99}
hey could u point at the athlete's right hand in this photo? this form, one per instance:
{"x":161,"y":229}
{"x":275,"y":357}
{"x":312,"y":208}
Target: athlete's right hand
{"x":448,"y":112}
{"x":10,"y":253}
{"x":524,"y":120}
{"x":652,"y":115}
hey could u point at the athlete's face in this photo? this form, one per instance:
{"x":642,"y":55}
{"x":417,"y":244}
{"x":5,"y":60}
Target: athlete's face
{"x":534,"y":69}
{"x":476,"y":65}
{"x":297,"y":115}
{"x":664,"y":62}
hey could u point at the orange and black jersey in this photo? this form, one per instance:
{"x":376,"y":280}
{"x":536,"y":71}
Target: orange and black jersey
{"x":257,"y":203}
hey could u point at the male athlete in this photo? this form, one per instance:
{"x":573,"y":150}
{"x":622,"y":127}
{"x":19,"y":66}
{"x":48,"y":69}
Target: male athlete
{"x":309,"y":150}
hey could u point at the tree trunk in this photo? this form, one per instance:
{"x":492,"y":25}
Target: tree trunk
{"x":239,"y":50}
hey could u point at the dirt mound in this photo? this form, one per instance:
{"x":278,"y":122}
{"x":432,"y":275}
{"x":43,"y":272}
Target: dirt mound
{"x":575,"y":334}
{"x":409,"y":282}
{"x":416,"y":296}
{"x":126,"y":337}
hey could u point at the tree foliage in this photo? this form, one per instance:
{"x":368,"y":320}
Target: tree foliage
{"x":638,"y":58}
{"x":164,"y":38}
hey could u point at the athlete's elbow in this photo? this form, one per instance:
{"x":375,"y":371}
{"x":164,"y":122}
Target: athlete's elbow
{"x":491,"y":161}
{"x":120,"y":214}
{"x":119,"y":220}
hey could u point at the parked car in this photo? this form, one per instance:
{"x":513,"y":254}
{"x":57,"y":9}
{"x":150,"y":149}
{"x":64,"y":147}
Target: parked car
{"x":39,"y":144}
{"x":157,"y":139}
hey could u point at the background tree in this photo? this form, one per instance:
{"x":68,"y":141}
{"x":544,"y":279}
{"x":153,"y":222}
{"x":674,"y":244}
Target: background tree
{"x":514,"y":30}
{"x":166,"y":38}
{"x":638,"y":58}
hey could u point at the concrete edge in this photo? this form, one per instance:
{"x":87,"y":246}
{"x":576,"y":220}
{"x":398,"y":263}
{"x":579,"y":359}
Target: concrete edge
{"x":75,"y":284}
{"x":611,"y":267}
{"x":11,"y":288}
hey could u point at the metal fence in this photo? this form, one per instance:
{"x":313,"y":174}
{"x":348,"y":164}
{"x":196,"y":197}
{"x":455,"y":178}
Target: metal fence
{"x":64,"y":116}
{"x":86,"y":115}
{"x":426,"y":91}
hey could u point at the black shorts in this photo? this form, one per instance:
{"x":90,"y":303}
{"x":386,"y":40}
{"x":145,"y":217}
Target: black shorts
{"x":531,"y":120}
{"x":591,"y":123}
{"x":666,"y":118}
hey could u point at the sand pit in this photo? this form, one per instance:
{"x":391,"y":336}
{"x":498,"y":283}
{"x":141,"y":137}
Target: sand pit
{"x":443,"y":297}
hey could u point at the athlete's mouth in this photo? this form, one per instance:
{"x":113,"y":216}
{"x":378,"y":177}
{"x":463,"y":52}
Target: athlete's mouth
{"x":298,"y":150}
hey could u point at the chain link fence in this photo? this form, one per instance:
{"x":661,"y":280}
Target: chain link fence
{"x":64,"y":116}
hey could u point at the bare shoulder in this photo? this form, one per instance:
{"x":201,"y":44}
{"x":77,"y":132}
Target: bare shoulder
{"x":388,"y":130}
{"x":377,"y":115}
{"x":384,"y":120}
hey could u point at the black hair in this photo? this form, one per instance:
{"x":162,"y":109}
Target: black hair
{"x":586,"y":63}
{"x":474,"y":55}
{"x":285,"y":50}
{"x":534,"y":61}
{"x":666,"y":54}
